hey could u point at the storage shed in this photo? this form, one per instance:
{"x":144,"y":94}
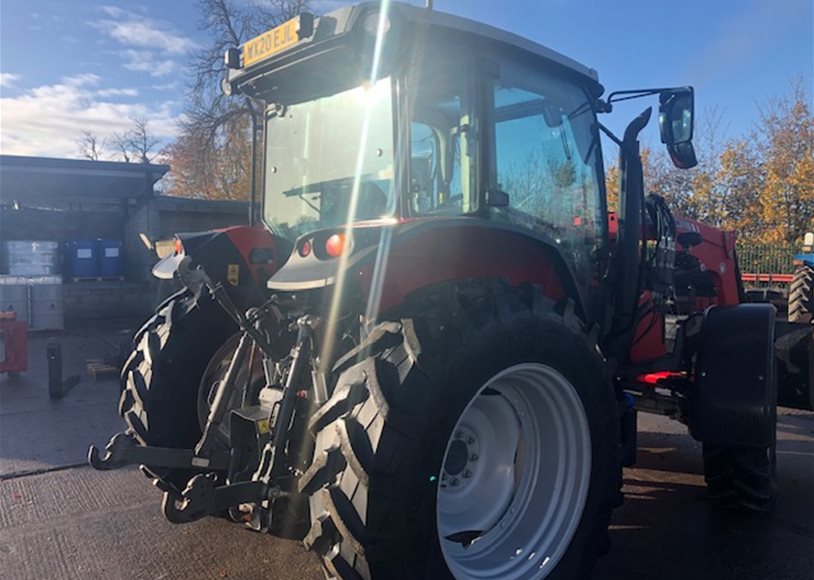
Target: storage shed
{"x":65,"y":200}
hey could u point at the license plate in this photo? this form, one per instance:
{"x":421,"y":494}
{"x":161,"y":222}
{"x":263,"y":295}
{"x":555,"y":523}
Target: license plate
{"x":271,"y":42}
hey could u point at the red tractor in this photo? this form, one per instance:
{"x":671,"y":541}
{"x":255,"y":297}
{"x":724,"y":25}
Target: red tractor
{"x":430,"y":360}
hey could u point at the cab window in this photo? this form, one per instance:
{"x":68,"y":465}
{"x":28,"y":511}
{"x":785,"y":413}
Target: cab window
{"x":441,"y":157}
{"x":544,"y":158}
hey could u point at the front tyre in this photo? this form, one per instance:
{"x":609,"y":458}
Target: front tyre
{"x":479,"y":444}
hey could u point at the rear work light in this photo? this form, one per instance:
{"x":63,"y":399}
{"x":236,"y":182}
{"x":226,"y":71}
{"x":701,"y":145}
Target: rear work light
{"x":335,"y":245}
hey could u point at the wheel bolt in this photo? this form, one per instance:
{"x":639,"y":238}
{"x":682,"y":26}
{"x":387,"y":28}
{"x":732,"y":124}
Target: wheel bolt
{"x":470,"y":440}
{"x":473,"y":457}
{"x":459,"y":435}
{"x":467,"y":474}
{"x":455,"y":482}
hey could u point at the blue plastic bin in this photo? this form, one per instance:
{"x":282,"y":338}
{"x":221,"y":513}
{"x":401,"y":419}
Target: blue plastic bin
{"x":82,"y":260}
{"x":110,"y":258}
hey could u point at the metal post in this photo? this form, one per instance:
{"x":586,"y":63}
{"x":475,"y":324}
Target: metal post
{"x":253,"y":199}
{"x":53,"y":350}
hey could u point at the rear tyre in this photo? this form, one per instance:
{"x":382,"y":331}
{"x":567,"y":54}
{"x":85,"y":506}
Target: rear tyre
{"x":742,"y":478}
{"x":502,"y":395}
{"x":162,"y":376}
{"x":801,"y":295}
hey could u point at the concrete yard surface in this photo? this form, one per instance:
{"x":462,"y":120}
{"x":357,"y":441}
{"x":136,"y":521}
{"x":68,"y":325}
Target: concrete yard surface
{"x":668,"y":528}
{"x":81,"y":523}
{"x":60,"y":519}
{"x":38,"y":433}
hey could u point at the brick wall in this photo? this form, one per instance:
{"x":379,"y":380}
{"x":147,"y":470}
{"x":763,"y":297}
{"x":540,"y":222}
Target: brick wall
{"x":93,"y":300}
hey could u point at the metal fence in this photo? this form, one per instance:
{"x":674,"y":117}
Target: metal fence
{"x":766,"y":264}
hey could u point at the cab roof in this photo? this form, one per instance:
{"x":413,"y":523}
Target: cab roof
{"x":459,"y":23}
{"x":340,"y":22}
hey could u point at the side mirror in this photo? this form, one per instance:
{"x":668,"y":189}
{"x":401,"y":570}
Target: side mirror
{"x":676,"y":119}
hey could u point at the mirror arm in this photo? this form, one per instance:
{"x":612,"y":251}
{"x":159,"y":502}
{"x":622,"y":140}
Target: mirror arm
{"x":632,"y":94}
{"x":610,"y":135}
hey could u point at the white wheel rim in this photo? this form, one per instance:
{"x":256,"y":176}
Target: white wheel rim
{"x":515,"y":476}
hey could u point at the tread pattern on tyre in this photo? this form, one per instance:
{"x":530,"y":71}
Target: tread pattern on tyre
{"x":742,"y":478}
{"x":801,"y":295}
{"x":161,"y":376}
{"x":745,"y":477}
{"x":367,"y":435}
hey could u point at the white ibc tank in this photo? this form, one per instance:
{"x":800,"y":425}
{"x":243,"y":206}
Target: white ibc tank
{"x":31,"y":258}
{"x":14,"y":296}
{"x":47,"y":311}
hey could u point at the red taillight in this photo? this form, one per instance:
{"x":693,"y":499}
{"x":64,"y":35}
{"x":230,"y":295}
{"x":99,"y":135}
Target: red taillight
{"x":335,"y":245}
{"x":179,"y":247}
{"x":305,"y":249}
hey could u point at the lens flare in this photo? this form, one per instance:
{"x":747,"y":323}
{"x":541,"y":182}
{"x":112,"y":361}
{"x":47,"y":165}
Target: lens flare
{"x":329,"y":345}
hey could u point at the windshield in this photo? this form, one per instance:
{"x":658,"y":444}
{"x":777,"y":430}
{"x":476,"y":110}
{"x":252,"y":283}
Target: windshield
{"x":329,"y":161}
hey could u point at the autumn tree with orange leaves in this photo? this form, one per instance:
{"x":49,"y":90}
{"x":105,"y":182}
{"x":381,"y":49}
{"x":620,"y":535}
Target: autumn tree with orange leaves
{"x":211,"y":157}
{"x":761,"y":185}
{"x":786,"y":151}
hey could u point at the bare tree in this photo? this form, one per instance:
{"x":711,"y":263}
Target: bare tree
{"x":141,"y":142}
{"x":90,"y":146}
{"x":120,"y":142}
{"x":136,"y":144}
{"x":211,"y":118}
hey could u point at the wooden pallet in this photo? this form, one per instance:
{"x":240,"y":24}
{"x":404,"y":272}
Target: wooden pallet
{"x":76,"y":279}
{"x":100,"y":370}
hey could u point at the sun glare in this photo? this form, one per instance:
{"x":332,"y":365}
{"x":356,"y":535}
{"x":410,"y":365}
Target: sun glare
{"x":372,"y":90}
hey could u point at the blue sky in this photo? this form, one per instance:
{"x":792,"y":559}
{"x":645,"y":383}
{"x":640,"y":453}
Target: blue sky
{"x":68,"y":66}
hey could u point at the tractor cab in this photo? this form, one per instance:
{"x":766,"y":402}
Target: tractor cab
{"x":386,"y":116}
{"x":378,"y":116}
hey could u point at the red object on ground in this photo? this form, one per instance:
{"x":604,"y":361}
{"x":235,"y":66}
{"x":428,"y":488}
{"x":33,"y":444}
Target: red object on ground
{"x":14,"y":345}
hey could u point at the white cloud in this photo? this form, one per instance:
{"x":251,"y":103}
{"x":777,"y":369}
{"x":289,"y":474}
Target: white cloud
{"x":146,"y":61}
{"x":117,"y":93}
{"x":170,"y":86}
{"x":137,"y":30}
{"x":49,"y":119}
{"x":8,"y":79}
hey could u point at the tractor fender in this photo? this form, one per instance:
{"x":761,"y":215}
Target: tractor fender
{"x":241,"y":258}
{"x":736,"y":385}
{"x":387,"y":261}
